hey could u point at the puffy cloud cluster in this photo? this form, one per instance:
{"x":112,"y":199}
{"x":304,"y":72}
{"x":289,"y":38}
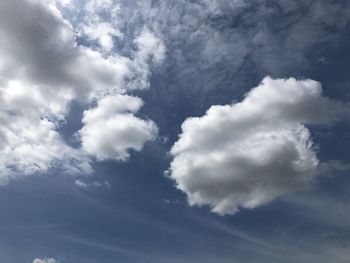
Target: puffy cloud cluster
{"x":111,"y":129}
{"x":246,"y":154}
{"x":43,"y":69}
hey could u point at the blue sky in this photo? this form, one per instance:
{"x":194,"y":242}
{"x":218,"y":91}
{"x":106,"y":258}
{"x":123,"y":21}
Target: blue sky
{"x":174,"y":131}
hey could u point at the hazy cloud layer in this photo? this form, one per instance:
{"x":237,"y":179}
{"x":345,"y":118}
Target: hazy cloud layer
{"x":218,"y":47}
{"x":248,"y":153}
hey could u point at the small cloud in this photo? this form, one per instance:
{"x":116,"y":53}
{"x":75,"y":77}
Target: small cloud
{"x":111,"y":129}
{"x":94,"y":184}
{"x":171,"y":202}
{"x":107,"y":184}
{"x":81,"y":184}
{"x":45,"y":260}
{"x":163,"y":139}
{"x":322,"y":60}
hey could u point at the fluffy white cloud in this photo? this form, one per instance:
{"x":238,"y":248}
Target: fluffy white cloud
{"x":111,"y":130}
{"x":29,"y":140}
{"x":45,"y":260}
{"x":43,"y":69}
{"x":248,"y":153}
{"x":45,"y":54}
{"x":38,"y":79}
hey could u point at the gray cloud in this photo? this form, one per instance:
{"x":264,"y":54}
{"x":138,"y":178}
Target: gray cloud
{"x":246,"y":154}
{"x":45,"y":53}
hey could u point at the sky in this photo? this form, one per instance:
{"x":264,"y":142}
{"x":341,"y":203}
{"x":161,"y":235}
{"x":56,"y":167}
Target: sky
{"x":194,"y":131}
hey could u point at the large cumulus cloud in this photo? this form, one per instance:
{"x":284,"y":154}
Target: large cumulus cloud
{"x":246,"y":154}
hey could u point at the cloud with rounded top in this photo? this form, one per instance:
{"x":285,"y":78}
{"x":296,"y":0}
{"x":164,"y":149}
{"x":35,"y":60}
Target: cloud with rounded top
{"x":249,"y":153}
{"x":111,"y":129}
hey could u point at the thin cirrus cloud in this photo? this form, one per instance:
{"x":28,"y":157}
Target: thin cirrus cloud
{"x":43,"y":70}
{"x":247,"y":154}
{"x":228,"y":45}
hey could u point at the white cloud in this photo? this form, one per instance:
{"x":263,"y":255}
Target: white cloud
{"x":150,"y":51}
{"x":249,"y":153}
{"x":102,"y":32}
{"x":30,"y":142}
{"x":81,"y":184}
{"x":149,"y":47}
{"x":111,"y":130}
{"x":99,"y":22}
{"x":45,"y":260}
{"x":38,"y":79}
{"x":42,"y":70}
{"x":213,"y":44}
{"x":45,"y":54}
{"x":95,"y":184}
